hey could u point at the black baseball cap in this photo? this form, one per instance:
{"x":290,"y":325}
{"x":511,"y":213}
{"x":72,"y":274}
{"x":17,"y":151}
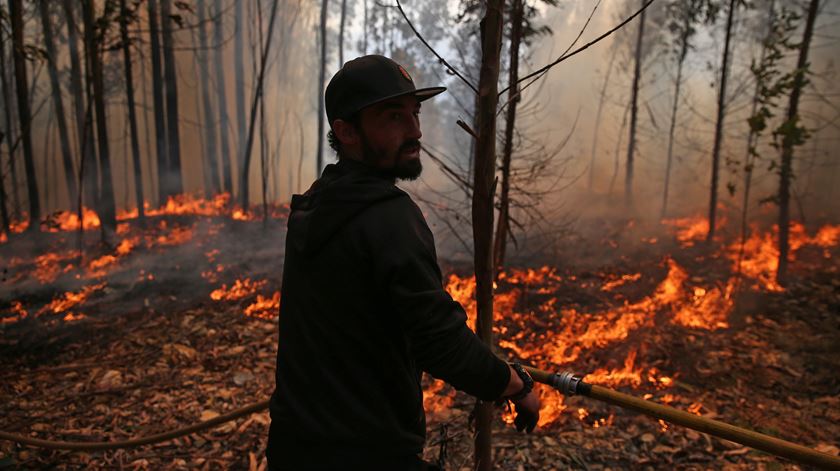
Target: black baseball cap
{"x":368,"y":80}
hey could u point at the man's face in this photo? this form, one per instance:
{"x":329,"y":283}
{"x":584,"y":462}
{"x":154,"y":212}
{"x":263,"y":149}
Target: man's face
{"x":390,"y":136}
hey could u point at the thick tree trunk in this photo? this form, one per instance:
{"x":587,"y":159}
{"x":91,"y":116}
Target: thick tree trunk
{"x":209,"y":113}
{"x":132,"y":117}
{"x":674,"y":108}
{"x":634,"y":111}
{"x":9,"y":122}
{"x":170,"y":79}
{"x":320,"y":92}
{"x":239,"y":86}
{"x":106,"y":207}
{"x":482,"y":209}
{"x":58,"y":103}
{"x":221,"y":96}
{"x":258,"y":95}
{"x":157,"y":98}
{"x":22,"y":88}
{"x":791,"y":138}
{"x":503,"y":226}
{"x":721,"y":113}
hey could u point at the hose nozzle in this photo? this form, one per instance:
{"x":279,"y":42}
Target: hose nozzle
{"x":565,"y":382}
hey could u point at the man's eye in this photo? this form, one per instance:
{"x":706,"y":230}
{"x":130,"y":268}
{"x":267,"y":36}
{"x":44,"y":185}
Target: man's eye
{"x":396,"y":116}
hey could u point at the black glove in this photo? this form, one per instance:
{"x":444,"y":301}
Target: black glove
{"x":525,"y":419}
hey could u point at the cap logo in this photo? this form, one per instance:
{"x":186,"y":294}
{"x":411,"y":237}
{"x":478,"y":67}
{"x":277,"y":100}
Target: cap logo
{"x":405,"y":74}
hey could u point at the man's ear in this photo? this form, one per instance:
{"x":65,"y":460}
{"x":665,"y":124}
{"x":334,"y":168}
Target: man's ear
{"x":345,"y":132}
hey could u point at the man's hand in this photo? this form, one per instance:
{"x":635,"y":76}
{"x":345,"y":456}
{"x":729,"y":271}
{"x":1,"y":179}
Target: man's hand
{"x":527,"y":412}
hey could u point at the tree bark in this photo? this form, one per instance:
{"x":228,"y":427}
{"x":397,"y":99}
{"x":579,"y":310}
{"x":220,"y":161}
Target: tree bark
{"x":595,"y":136}
{"x":22,"y":89}
{"x":7,"y":116}
{"x":132,"y":116}
{"x":503,"y":226}
{"x":721,"y":113}
{"x":258,"y":92}
{"x":106,"y":207}
{"x":789,"y":140}
{"x":171,"y":86}
{"x":157,"y":98}
{"x":634,"y":109}
{"x":321,"y":71}
{"x":209,"y":113}
{"x":680,"y":61}
{"x":341,"y":33}
{"x":482,"y":209}
{"x":239,"y":87}
{"x":221,"y":96}
{"x":58,"y":103}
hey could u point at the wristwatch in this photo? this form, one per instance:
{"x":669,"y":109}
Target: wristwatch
{"x":527,"y":382}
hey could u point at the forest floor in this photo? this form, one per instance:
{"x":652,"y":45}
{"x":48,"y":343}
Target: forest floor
{"x":159,"y":339}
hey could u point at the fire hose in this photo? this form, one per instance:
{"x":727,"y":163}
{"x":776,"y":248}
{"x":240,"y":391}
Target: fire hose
{"x":566,"y":383}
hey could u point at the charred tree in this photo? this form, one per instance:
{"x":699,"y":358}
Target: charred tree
{"x":9,"y":123}
{"x":721,"y":113}
{"x":258,"y":95}
{"x":125,"y":13}
{"x":157,"y":98}
{"x":503,"y":226}
{"x":634,"y":111}
{"x":209,"y":113}
{"x":341,"y":33}
{"x":106,"y":207}
{"x":221,"y":96}
{"x":239,"y":87}
{"x":595,"y":135}
{"x":321,"y":71}
{"x":792,"y":134}
{"x":482,"y":208}
{"x":58,"y":102}
{"x":22,"y":89}
{"x":174,"y":185}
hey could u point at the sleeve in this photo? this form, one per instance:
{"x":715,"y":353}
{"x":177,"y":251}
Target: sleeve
{"x":405,"y":265}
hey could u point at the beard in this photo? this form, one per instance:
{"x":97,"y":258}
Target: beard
{"x":408,"y":170}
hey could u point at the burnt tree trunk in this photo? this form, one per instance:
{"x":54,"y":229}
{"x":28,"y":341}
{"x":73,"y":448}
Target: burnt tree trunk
{"x":721,"y":113}
{"x":22,"y":89}
{"x":321,"y":71}
{"x":503,"y":226}
{"x":7,"y":116}
{"x":132,"y":116}
{"x":209,"y":113}
{"x":634,"y":112}
{"x":595,"y":136}
{"x":239,"y":87}
{"x":157,"y":98}
{"x":258,"y":95}
{"x":58,"y":103}
{"x":106,"y":207}
{"x":680,"y":61}
{"x":792,"y":135}
{"x":341,"y":33}
{"x":482,"y":209}
{"x":221,"y":96}
{"x":170,"y":79}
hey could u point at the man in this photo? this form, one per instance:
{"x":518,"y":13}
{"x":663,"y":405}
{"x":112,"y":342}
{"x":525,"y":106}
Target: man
{"x":364,"y":311}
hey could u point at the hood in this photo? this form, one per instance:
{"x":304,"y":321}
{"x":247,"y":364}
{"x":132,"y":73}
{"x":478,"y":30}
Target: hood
{"x":344,"y":190}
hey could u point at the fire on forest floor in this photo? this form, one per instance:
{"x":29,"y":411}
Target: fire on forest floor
{"x":175,"y":323}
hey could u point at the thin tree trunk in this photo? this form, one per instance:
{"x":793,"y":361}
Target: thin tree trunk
{"x":673,"y":125}
{"x":106,"y":207}
{"x":7,"y":110}
{"x":58,"y":103}
{"x":160,"y":111}
{"x":634,"y":108}
{"x":789,"y":140}
{"x":503,"y":226}
{"x":482,"y":209}
{"x":721,"y":113}
{"x":239,"y":85}
{"x":341,"y":33}
{"x":21,"y":86}
{"x":132,"y":117}
{"x":321,"y":71}
{"x":258,"y":94}
{"x":263,"y":131}
{"x":365,"y":28}
{"x":171,"y":86}
{"x":209,"y":113}
{"x":221,"y":96}
{"x":595,"y":135}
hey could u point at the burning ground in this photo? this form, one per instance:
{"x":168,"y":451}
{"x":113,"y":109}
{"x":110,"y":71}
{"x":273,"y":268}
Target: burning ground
{"x":176,"y":323}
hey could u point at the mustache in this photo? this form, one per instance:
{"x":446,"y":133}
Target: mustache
{"x":410,"y":145}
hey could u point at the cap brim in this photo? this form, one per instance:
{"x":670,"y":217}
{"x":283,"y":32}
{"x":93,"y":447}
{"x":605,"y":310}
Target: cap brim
{"x":422,"y":94}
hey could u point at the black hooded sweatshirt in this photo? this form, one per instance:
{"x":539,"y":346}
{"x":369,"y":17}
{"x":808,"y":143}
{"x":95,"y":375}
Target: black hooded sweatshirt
{"x":363,"y":313}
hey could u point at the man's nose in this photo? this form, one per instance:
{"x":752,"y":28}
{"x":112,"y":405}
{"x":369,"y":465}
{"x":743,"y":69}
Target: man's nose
{"x":414,"y":129}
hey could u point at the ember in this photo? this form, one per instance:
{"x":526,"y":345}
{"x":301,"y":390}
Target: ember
{"x":239,"y":290}
{"x":264,"y":308}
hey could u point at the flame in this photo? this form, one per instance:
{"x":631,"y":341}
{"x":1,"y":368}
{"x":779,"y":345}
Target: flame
{"x":239,"y":290}
{"x":48,"y":266}
{"x":437,"y":398}
{"x":611,"y":285}
{"x":264,"y":308}
{"x":18,"y":311}
{"x":69,"y":300}
{"x":690,"y":229}
{"x":66,"y":221}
